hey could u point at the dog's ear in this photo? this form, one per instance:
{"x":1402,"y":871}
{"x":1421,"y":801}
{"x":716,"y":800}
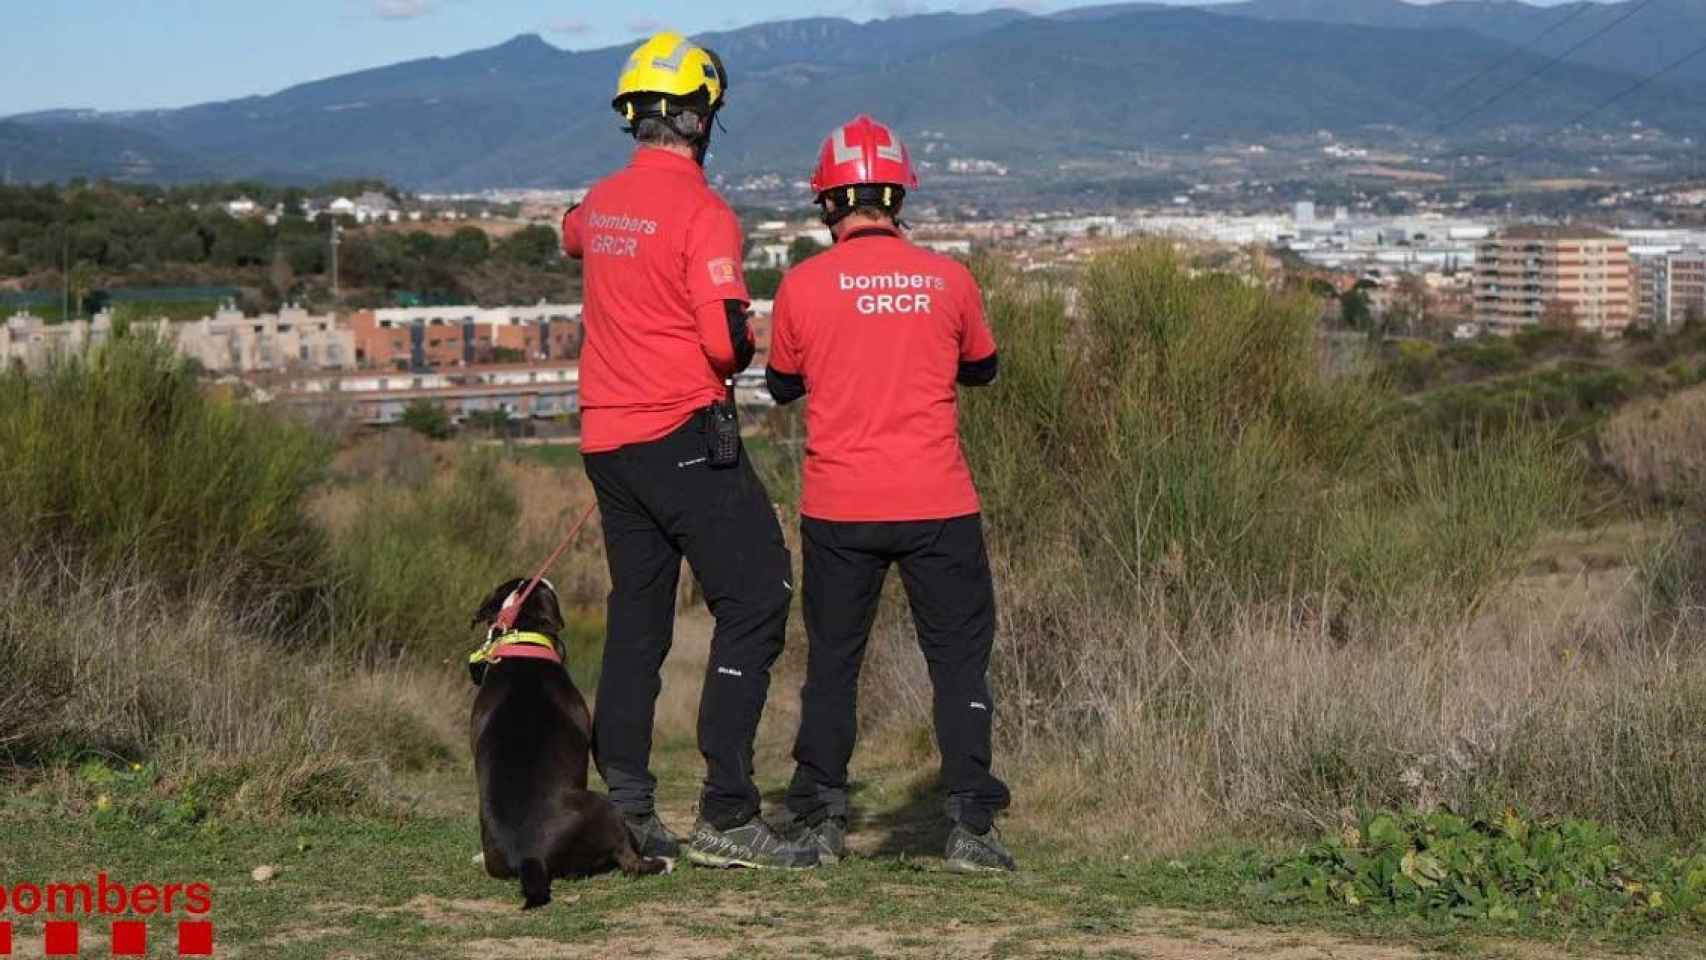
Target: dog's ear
{"x":489,"y":607}
{"x":542,"y":609}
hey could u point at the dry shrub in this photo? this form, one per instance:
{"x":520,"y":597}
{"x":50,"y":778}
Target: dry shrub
{"x":1236,"y":598}
{"x":1178,"y":734}
{"x":126,"y":671}
{"x":1658,"y":448}
{"x":550,"y":501}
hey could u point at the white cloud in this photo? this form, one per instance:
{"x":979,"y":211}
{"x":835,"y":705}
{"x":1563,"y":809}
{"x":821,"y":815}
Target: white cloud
{"x":644,"y":25}
{"x":401,"y":9}
{"x":571,"y":25}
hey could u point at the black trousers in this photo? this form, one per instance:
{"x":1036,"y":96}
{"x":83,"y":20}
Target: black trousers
{"x":659,"y":502}
{"x":945,"y":570}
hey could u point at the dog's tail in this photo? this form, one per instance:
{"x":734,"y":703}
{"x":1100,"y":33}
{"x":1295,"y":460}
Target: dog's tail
{"x":535,"y":883}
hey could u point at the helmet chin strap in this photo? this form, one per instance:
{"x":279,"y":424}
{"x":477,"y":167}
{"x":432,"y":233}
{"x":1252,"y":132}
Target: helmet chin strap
{"x":702,"y":143}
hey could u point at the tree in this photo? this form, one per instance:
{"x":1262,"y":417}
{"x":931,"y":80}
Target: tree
{"x":494,"y":422}
{"x":81,"y":282}
{"x":802,"y":248}
{"x":470,"y":245}
{"x":1353,"y":308}
{"x":533,"y":246}
{"x":762,"y":282}
{"x":1408,"y":305}
{"x":427,"y":419}
{"x":282,"y":277}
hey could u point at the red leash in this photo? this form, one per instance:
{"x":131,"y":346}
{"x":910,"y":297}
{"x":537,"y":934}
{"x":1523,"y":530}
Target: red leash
{"x":512,"y":607}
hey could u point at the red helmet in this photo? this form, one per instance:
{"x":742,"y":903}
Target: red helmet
{"x":862,"y":152}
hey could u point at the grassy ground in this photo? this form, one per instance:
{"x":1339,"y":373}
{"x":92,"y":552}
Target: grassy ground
{"x":406,"y":885}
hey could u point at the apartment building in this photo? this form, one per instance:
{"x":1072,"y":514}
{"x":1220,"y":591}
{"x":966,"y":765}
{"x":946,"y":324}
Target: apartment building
{"x":423,"y":338}
{"x":1529,"y":274}
{"x":230,"y":342}
{"x":1672,"y":288}
{"x":227,"y":342}
{"x":30,"y":340}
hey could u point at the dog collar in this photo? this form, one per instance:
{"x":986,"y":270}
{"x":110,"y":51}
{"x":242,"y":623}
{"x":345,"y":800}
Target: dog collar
{"x":526,"y":651}
{"x":519,"y":643}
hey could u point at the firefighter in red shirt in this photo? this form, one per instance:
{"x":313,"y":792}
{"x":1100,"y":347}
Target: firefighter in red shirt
{"x":878,"y":334}
{"x":666,"y":329}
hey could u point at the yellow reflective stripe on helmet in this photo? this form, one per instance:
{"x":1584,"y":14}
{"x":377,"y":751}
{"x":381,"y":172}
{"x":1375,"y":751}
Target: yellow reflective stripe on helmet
{"x":671,"y":65}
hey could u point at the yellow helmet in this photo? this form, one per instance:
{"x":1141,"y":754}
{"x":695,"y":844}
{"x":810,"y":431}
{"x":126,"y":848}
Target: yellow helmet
{"x":667,"y":74}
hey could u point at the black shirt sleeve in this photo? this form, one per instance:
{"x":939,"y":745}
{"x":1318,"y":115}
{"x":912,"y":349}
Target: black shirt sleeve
{"x":784,"y":388}
{"x":978,"y":373}
{"x":740,"y":337}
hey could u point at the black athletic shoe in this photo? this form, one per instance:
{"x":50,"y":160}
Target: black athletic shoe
{"x":652,"y":838}
{"x":828,"y":837}
{"x":977,"y":852}
{"x":752,"y":844}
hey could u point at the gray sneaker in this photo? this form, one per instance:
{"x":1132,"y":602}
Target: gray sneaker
{"x":977,"y":852}
{"x":828,"y":837}
{"x":652,"y":838}
{"x":752,"y":844}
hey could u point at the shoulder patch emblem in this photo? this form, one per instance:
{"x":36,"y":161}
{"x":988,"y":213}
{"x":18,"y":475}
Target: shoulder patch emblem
{"x":722,"y":271}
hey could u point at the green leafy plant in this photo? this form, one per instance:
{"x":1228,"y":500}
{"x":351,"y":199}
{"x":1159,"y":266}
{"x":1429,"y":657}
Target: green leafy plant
{"x":1503,"y":869}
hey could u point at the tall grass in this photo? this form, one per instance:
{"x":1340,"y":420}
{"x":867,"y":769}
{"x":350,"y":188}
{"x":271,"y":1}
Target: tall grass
{"x":117,"y":458}
{"x":168,"y":592}
{"x":1178,"y":434}
{"x":1239,"y":592}
{"x":416,"y":560}
{"x":118,"y":670}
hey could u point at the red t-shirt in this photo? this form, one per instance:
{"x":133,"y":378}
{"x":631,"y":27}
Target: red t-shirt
{"x":662,"y":252}
{"x":877,"y":328}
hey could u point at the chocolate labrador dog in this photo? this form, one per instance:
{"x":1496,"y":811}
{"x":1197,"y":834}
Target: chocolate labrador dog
{"x":532,"y":735}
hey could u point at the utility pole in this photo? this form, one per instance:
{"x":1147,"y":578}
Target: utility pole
{"x":65,"y":271}
{"x":336,"y":230}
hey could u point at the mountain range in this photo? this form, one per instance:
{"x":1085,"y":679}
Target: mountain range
{"x":1024,"y":90}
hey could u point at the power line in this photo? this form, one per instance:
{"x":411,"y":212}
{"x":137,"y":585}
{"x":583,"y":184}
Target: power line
{"x":1576,"y":11}
{"x":1549,"y":64}
{"x":1621,"y":94}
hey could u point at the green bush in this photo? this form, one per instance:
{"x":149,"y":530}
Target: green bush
{"x":1493,"y":354}
{"x":1506,"y":868}
{"x":427,"y":419}
{"x":416,"y":562}
{"x":118,"y":460}
{"x":1416,"y":363}
{"x":165,"y":596}
{"x":1180,"y":432}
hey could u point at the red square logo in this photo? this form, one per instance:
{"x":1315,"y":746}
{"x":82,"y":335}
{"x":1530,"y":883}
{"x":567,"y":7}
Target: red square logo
{"x":130,"y":938}
{"x":195,"y":938}
{"x":722,"y":271}
{"x":5,"y":938}
{"x":60,"y":938}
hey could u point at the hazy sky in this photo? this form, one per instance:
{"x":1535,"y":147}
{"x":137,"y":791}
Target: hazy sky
{"x":130,"y":54}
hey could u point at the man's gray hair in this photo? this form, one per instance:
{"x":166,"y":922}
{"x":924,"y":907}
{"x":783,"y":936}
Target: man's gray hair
{"x":680,"y":130}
